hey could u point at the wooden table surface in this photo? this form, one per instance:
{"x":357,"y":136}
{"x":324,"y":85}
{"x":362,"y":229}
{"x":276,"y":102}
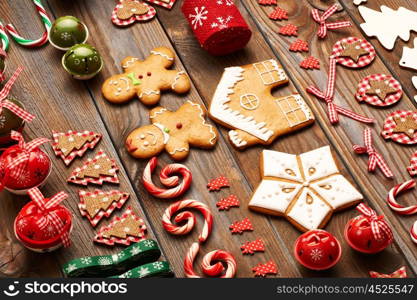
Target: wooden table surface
{"x":62,"y":103}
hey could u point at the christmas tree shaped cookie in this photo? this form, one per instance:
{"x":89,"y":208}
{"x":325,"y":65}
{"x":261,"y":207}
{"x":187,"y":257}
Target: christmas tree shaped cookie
{"x":98,"y":170}
{"x":68,"y":145}
{"x":124,"y":231}
{"x":98,"y":204}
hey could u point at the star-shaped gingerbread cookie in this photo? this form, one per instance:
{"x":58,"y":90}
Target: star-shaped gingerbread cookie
{"x":146,"y":79}
{"x":380,"y":88}
{"x":353,"y":50}
{"x":407,"y":125}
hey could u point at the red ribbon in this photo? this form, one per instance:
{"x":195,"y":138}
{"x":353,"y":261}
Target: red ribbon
{"x":375,"y":159}
{"x":17,"y":166}
{"x":3,"y":54}
{"x":378,"y":225}
{"x":333,"y":109}
{"x":4,"y":103}
{"x":50,"y":217}
{"x":322,"y":32}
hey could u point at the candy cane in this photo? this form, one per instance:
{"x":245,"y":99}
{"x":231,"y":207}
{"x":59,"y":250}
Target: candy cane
{"x":188,"y":218}
{"x":167,"y":180}
{"x":4,"y":38}
{"x":394,"y":205}
{"x":413,"y":232}
{"x":33,"y":43}
{"x":208,"y":268}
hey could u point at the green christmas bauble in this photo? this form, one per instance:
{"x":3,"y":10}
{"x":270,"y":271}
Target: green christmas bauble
{"x":82,"y":61}
{"x":66,"y":32}
{"x":8,"y":120}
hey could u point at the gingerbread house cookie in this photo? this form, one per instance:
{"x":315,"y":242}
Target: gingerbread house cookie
{"x":243,"y":102}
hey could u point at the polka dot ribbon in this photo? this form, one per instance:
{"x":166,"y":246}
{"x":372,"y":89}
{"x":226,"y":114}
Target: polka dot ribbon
{"x":375,"y":159}
{"x":50,"y":217}
{"x":378,"y":225}
{"x":321,"y":20}
{"x":17,"y":166}
{"x":4,"y":103}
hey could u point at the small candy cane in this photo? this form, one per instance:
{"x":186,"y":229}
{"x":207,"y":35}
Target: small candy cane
{"x":33,"y":43}
{"x":4,"y":38}
{"x":413,"y":232}
{"x":394,"y":205}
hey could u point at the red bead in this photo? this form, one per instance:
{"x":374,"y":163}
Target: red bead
{"x":35,"y":172}
{"x":359,"y":235}
{"x":179,"y":125}
{"x":149,"y":74}
{"x":140,"y":76}
{"x":317,"y":250}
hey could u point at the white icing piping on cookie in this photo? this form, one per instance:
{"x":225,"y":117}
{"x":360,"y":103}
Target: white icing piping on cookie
{"x":301,"y":103}
{"x":221,"y":111}
{"x":178,"y":150}
{"x":130,"y":62}
{"x":162,"y":54}
{"x":166,"y":135}
{"x":236,"y":140}
{"x":159,"y":112}
{"x":177,"y":78}
{"x":147,"y":93}
{"x":212,"y":140}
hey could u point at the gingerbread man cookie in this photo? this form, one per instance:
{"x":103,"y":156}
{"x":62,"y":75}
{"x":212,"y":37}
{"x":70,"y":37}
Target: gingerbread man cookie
{"x":146,"y":78}
{"x":243,"y":102}
{"x":172,"y":131}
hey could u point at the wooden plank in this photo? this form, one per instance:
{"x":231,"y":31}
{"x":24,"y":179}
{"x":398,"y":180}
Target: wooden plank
{"x":203,"y":67}
{"x":60,"y":103}
{"x":115,"y":44}
{"x":348,"y":132}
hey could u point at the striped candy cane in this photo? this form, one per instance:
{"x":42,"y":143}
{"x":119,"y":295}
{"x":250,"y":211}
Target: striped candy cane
{"x":4,"y":38}
{"x":33,"y":43}
{"x":413,"y":232}
{"x":394,"y":192}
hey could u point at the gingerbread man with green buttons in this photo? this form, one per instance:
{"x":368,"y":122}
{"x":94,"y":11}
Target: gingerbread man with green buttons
{"x":146,"y":79}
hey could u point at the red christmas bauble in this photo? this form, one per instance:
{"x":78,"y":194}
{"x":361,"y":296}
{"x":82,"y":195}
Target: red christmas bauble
{"x":359,"y":235}
{"x":317,"y":250}
{"x":28,"y":231}
{"x":35,"y":172}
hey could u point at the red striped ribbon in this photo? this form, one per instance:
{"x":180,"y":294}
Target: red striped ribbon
{"x":50,"y":217}
{"x":378,"y":225}
{"x":4,"y":103}
{"x":375,"y":159}
{"x":333,"y":109}
{"x":322,"y":32}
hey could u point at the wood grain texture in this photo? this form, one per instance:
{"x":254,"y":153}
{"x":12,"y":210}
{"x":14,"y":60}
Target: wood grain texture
{"x":71,"y":104}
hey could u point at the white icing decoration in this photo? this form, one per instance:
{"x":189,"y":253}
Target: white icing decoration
{"x":301,"y":105}
{"x":166,"y":135}
{"x":178,"y":150}
{"x":147,"y":93}
{"x":264,"y":71}
{"x":409,"y":57}
{"x":162,"y":54}
{"x":177,"y":77}
{"x":159,"y":112}
{"x":214,"y":135}
{"x":236,"y":140}
{"x":359,"y":2}
{"x":249,"y":101}
{"x":130,"y":62}
{"x":305,"y":188}
{"x":414,"y":80}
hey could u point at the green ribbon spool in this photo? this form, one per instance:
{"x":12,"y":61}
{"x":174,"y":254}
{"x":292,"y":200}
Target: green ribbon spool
{"x":155,"y":269}
{"x":138,"y":254}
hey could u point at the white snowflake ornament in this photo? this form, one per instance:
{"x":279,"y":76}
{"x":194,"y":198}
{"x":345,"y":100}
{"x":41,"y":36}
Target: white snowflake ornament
{"x":199,"y":17}
{"x":305,"y":188}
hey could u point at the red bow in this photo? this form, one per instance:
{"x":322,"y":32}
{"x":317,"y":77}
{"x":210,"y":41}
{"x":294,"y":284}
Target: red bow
{"x":50,"y":217}
{"x":333,"y":109}
{"x":378,"y":225}
{"x":322,"y":21}
{"x":375,"y":159}
{"x":18,"y":165}
{"x":4,"y":103}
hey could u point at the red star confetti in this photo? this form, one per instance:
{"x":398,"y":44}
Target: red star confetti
{"x":400,"y":273}
{"x":217,"y":183}
{"x":227,"y":203}
{"x":252,"y":247}
{"x":279,"y":14}
{"x":310,"y":63}
{"x":299,"y":46}
{"x":267,"y":2}
{"x":264,"y":269}
{"x":241,"y":226}
{"x":290,"y":30}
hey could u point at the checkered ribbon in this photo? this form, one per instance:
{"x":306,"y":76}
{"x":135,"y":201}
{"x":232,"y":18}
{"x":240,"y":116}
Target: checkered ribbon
{"x":4,"y":103}
{"x":321,"y":19}
{"x":378,"y":225}
{"x":375,"y":159}
{"x":333,"y":109}
{"x":17,"y":166}
{"x":2,"y":54}
{"x":50,"y":217}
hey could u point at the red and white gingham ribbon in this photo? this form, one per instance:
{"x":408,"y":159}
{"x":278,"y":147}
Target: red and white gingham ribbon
{"x":327,"y":26}
{"x":18,"y":165}
{"x":379,"y":226}
{"x":4,"y":103}
{"x":50,"y":217}
{"x":375,"y":159}
{"x":333,"y":109}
